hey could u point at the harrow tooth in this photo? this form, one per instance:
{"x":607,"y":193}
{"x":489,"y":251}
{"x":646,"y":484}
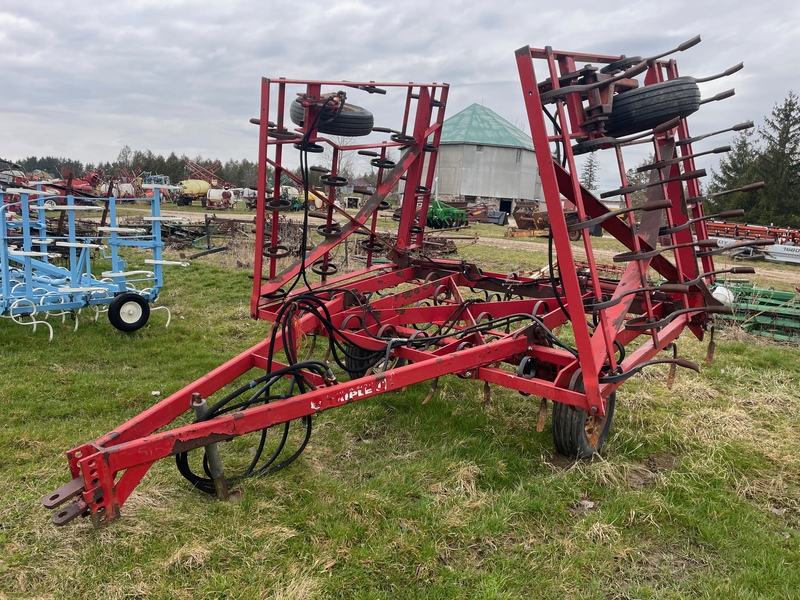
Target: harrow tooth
{"x":542,"y":421}
{"x":712,"y":346}
{"x":673,"y":367}
{"x":431,"y":391}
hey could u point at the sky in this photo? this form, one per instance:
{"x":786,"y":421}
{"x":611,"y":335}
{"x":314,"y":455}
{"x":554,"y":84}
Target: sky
{"x":81,"y":79}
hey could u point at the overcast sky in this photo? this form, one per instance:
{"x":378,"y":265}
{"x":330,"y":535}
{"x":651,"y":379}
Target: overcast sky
{"x":81,"y":79}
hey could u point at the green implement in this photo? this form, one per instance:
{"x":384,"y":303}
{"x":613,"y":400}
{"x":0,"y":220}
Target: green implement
{"x":444,"y":216}
{"x":760,"y":311}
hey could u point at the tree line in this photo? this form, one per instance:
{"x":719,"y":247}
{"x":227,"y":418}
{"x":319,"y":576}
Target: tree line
{"x":770,"y":154}
{"x":239,"y":173}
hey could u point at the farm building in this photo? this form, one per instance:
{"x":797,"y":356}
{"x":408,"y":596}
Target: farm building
{"x":483,"y":156}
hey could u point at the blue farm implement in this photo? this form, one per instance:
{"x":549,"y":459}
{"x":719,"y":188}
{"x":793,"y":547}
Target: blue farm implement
{"x":44,"y":273}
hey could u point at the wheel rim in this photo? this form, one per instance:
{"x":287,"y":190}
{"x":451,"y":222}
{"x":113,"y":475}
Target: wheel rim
{"x":130,"y":313}
{"x":49,"y":204}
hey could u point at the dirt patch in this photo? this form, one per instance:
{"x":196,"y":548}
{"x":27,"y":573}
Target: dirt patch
{"x":582,"y":507}
{"x":647,"y":471}
{"x":559,"y":462}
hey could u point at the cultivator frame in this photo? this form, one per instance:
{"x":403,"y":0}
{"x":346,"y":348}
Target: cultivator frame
{"x":415,"y":319}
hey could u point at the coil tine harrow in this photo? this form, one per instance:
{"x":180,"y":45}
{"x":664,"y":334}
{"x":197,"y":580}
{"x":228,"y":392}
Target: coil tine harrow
{"x":409,"y":318}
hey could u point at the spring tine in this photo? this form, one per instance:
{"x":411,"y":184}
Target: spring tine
{"x":646,"y":207}
{"x":597,"y":143}
{"x":725,"y":214}
{"x":642,"y":186}
{"x":750,"y":187}
{"x":731,"y":270}
{"x":558,"y":92}
{"x":487,"y":393}
{"x":679,"y":48}
{"x":643,"y":324}
{"x":663,"y":128}
{"x":736,"y":247}
{"x":667,"y":288}
{"x":645,"y":254}
{"x":665,"y":163}
{"x":729,"y":214}
{"x":737,"y":127}
{"x":542,"y":416}
{"x":725,"y":73}
{"x":680,"y":362}
{"x":720,"y":96}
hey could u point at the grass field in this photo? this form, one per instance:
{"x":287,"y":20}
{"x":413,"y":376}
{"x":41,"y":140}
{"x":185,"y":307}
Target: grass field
{"x":697,"y":494}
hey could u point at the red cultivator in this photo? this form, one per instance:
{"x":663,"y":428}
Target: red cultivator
{"x":416,"y":319}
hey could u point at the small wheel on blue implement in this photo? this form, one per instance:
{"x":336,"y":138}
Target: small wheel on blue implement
{"x":128,"y":312}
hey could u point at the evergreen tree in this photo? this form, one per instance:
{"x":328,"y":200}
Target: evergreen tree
{"x":738,"y":168}
{"x":589,"y":173}
{"x":175,"y":167}
{"x":780,"y":164}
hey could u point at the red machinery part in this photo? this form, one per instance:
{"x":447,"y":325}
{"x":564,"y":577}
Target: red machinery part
{"x":415,"y":319}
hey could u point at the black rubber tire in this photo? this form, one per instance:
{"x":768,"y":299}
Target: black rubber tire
{"x":353,"y":121}
{"x":647,"y":107}
{"x":576,"y":434}
{"x":128,"y":312}
{"x":357,"y":361}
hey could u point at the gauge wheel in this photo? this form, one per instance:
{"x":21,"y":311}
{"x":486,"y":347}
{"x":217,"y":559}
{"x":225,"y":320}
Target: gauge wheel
{"x":352,"y":121}
{"x":649,"y":106}
{"x":358,"y":360}
{"x":128,"y":312}
{"x":578,"y":434}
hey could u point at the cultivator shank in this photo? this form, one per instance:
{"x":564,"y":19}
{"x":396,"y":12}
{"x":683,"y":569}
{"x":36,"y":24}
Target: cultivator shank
{"x":415,"y":319}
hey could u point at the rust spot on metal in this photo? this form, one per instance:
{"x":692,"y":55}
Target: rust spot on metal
{"x":184,"y":446}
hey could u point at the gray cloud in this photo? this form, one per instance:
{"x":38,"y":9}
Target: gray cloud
{"x":82,"y":79}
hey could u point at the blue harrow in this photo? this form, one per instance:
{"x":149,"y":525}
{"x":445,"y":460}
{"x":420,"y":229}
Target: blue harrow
{"x":45,"y":273}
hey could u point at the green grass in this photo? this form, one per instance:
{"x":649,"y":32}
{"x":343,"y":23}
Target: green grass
{"x":697,"y":494}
